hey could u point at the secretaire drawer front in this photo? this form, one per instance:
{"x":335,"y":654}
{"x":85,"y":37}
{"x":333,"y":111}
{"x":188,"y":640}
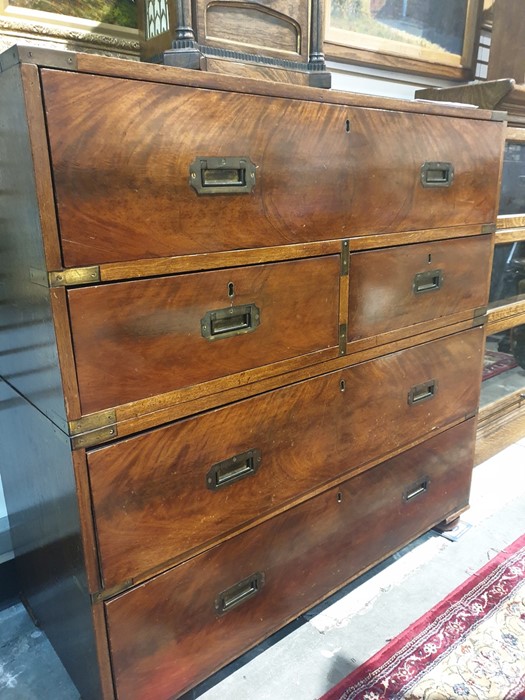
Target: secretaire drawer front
{"x":145,"y":169}
{"x":137,"y":339}
{"x":208,"y":610}
{"x":240,"y":463}
{"x":392,"y":288}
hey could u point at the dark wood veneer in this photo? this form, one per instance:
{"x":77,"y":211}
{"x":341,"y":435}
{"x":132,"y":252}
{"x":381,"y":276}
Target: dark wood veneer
{"x":357,"y":394}
{"x":149,"y":491}
{"x":316,"y":178}
{"x":138,"y":339}
{"x":302,"y":553}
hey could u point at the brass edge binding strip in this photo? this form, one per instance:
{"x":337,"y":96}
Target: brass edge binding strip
{"x":93,"y":429}
{"x":343,"y":330}
{"x":479,"y":321}
{"x":480,"y":311}
{"x":74,"y":276}
{"x":499,"y":116}
{"x":488,"y":228}
{"x":40,"y":56}
{"x":345,"y":257}
{"x":94,"y":437}
{"x":110,"y":592}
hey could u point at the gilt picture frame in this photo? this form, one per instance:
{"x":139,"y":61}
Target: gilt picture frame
{"x":94,"y":27}
{"x":408,"y":35}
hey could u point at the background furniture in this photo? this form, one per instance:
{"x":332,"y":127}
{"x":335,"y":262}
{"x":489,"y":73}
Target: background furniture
{"x":279,"y":40}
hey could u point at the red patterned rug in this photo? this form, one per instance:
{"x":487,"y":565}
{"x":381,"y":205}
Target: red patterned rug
{"x":471,"y":646}
{"x":495,"y":363}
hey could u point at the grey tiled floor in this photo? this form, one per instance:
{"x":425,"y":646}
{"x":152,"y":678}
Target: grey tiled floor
{"x":306,"y":658}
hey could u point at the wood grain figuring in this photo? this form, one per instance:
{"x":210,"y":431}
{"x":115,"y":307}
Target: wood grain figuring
{"x":154,"y":267}
{"x":308,"y":434}
{"x":124,"y":550}
{"x":112,"y":67}
{"x":404,"y":237}
{"x":383,"y":284}
{"x":314,"y":181}
{"x":138,"y":339}
{"x":163,"y":408}
{"x":264,"y":31}
{"x":300,"y":555}
{"x":255,"y":70}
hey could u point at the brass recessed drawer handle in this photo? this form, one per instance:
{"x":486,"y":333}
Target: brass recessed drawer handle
{"x":233,"y":469}
{"x":422,"y":392}
{"x":211,"y":175}
{"x":233,"y":320}
{"x":429,"y":281}
{"x":416,"y":489}
{"x":434,"y":174}
{"x":239,"y":593}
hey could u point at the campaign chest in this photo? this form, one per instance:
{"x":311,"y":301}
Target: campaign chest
{"x":241,"y":347}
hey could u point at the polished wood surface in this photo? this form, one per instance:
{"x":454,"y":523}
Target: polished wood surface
{"x":149,"y":413}
{"x":320,"y":169}
{"x":102,"y":65}
{"x":397,"y":287}
{"x":280,"y":29}
{"x":138,"y":339}
{"x":302,"y":554}
{"x":124,"y":548}
{"x":307,"y":435}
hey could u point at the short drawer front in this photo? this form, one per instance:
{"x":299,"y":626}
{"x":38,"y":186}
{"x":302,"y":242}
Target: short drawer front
{"x":210,"y":609}
{"x":397,"y":287}
{"x":144,"y":170}
{"x":158,"y":496}
{"x":137,"y":339}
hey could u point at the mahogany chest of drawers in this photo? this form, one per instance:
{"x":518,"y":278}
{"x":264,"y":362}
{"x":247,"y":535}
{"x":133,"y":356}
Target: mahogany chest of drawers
{"x":241,"y":344}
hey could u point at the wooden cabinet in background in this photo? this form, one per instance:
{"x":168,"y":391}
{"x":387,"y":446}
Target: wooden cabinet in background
{"x":241,"y":344}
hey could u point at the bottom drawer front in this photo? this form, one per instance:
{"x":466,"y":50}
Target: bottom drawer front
{"x":170,"y":633}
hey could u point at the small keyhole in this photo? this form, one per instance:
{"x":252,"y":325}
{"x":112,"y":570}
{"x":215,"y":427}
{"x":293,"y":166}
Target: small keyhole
{"x":231,"y":290}
{"x":342,"y":385}
{"x":347,"y":126}
{"x":429,"y":258}
{"x":339,"y":496}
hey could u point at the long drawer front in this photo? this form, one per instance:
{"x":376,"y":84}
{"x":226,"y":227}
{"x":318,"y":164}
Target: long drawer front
{"x":144,"y":169}
{"x":158,"y":496}
{"x":136,"y":339}
{"x":178,"y":628}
